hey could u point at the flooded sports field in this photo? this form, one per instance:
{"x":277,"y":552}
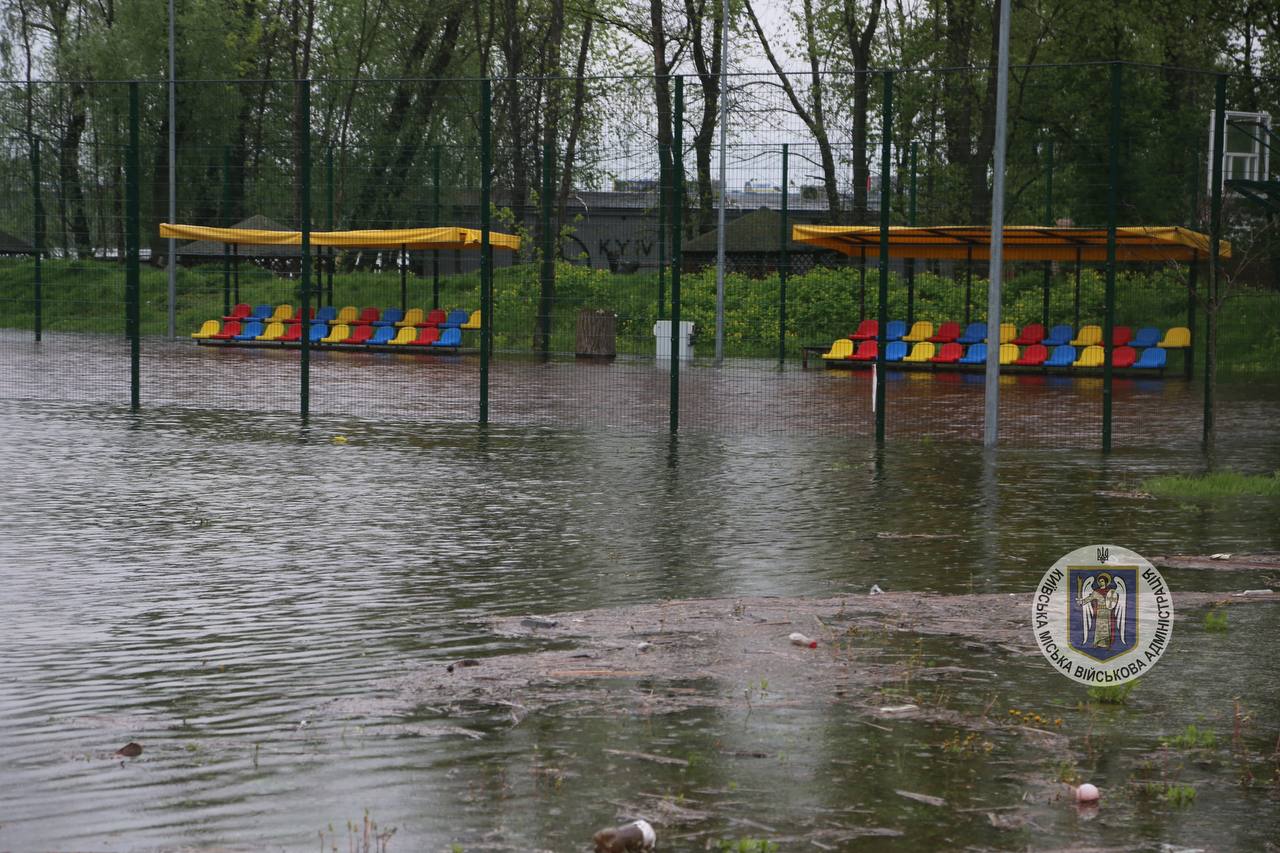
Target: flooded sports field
{"x":271,"y":611}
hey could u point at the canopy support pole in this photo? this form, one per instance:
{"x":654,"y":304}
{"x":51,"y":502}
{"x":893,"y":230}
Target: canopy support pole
{"x":404,"y":278}
{"x":991,"y":419}
{"x":435,"y":223}
{"x":226,"y":223}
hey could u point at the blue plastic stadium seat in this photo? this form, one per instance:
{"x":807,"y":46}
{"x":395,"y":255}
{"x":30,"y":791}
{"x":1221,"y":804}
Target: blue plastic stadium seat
{"x":1058,"y":336}
{"x":327,"y":314}
{"x":261,"y":312}
{"x":977,"y":354}
{"x":382,"y":335}
{"x":456,"y":318}
{"x":390,"y":317}
{"x":1152,"y":358}
{"x":1063,"y":355}
{"x":974,"y":333}
{"x":251,"y":329}
{"x":895,"y":330}
{"x":449,"y":337}
{"x":895,"y":351}
{"x":319,"y":331}
{"x":1147,"y":336}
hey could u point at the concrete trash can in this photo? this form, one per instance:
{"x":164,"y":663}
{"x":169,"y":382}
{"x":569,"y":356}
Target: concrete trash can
{"x":662,"y":337}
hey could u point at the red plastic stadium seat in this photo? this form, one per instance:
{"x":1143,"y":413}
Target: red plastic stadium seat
{"x":1032,"y":333}
{"x":426,"y":337}
{"x":867,"y":330}
{"x":1121,"y":335}
{"x":1123,"y":356}
{"x":297,"y":316}
{"x":947,"y":332}
{"x":239,"y":312}
{"x":360,"y":334}
{"x":292,"y":335}
{"x":949,"y":354}
{"x":230,"y":329}
{"x":435,"y":317}
{"x":369,"y":315}
{"x":866,"y":351}
{"x":1033,"y":356}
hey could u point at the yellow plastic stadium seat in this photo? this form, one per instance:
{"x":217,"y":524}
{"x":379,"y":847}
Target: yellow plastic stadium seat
{"x":1088,"y":336}
{"x":274,"y":330}
{"x":921,"y":330}
{"x":473,"y":322}
{"x":283,"y":314}
{"x":921,"y":352}
{"x":337,"y":333}
{"x":207,"y":330}
{"x":1092,"y":356}
{"x":1176,"y":338}
{"x":412,"y":317}
{"x":1008,"y":352}
{"x":1008,"y":331}
{"x":840,"y":348}
{"x":405,"y":336}
{"x":347,"y":315}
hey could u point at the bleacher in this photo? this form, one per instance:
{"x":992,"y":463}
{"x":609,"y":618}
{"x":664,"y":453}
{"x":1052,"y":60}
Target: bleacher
{"x":372,"y":328}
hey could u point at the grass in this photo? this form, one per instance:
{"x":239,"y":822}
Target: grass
{"x":747,"y":845}
{"x":1173,"y":794}
{"x":1215,"y":621}
{"x":1112,"y":694}
{"x":1193,"y":738}
{"x":1214,"y":485}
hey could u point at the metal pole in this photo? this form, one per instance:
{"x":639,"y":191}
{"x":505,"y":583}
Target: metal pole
{"x":968,"y":280}
{"x":226,"y":223}
{"x":435,"y":223}
{"x":1215,"y":246}
{"x":173,"y":178}
{"x":1113,"y":204}
{"x":235,"y":272}
{"x":304,"y":167}
{"x":548,"y":259}
{"x":885,"y":165}
{"x":404,"y":278}
{"x":991,"y":419}
{"x":1188,"y":360}
{"x":784,"y":238}
{"x":862,"y":286}
{"x":131,"y":241}
{"x":38,"y":248}
{"x":664,"y":196}
{"x":677,"y":206}
{"x":724,"y":124}
{"x":1048,"y":221}
{"x":329,"y":222}
{"x":486,"y":264}
{"x":911,"y":263}
{"x":1075,"y":327}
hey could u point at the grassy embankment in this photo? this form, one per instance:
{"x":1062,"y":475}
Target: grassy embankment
{"x":823,"y":304}
{"x":1214,"y":485}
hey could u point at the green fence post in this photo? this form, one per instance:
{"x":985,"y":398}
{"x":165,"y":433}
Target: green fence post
{"x":486,"y":262}
{"x":548,"y":257}
{"x":1193,"y":222}
{"x":784,"y":239}
{"x":664,"y":196}
{"x":677,"y":209}
{"x":1215,"y":266}
{"x":38,"y":238}
{"x":911,"y":262}
{"x":862,"y":286}
{"x":403,"y":263}
{"x":304,"y":214}
{"x":329,"y":224}
{"x":225,"y":217}
{"x":1048,"y":221}
{"x":1113,"y":201}
{"x":132,"y":242}
{"x":435,"y":223}
{"x":886,"y":164}
{"x":968,"y":281}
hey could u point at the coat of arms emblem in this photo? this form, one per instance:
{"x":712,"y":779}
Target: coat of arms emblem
{"x":1104,"y":610}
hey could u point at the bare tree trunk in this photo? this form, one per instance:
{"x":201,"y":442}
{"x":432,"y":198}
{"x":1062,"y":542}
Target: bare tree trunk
{"x":69,"y":173}
{"x":859,"y":44}
{"x":709,"y":76}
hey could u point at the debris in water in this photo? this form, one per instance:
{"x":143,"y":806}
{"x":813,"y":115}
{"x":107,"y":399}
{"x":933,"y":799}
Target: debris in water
{"x":798,"y":639}
{"x":876,"y":590}
{"x":891,"y":710}
{"x":648,"y":756}
{"x":130,"y":750}
{"x":628,"y":838}
{"x":921,"y":798}
{"x":1255,"y":592}
{"x":538,"y":622}
{"x":643,"y":647}
{"x":1087,"y":793}
{"x":339,"y":439}
{"x":1224,"y":556}
{"x":462,"y":664}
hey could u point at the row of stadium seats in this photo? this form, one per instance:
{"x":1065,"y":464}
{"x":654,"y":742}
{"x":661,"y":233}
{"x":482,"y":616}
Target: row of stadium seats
{"x":1035,"y":355}
{"x":352,"y":316}
{"x":1032,"y":334}
{"x":341,"y":334}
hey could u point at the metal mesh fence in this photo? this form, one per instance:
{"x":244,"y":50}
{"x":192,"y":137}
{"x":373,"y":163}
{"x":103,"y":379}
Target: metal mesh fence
{"x":617,"y":189}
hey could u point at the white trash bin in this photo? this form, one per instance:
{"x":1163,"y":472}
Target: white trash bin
{"x":662,"y":336}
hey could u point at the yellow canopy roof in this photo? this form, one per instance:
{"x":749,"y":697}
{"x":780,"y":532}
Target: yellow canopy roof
{"x":410,"y":238}
{"x":1021,"y":242}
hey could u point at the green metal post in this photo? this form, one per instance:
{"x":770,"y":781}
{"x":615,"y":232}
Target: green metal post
{"x":1113,"y":203}
{"x":664,"y":196}
{"x":37,"y":248}
{"x":862,"y":285}
{"x":132,"y":242}
{"x":225,"y":219}
{"x":435,"y":223}
{"x":911,"y":263}
{"x":304,"y":214}
{"x":784,"y":238}
{"x":548,"y":277}
{"x":1048,"y":221}
{"x":329,"y":224}
{"x":885,"y":165}
{"x":677,"y":208}
{"x":968,"y":281}
{"x":1188,"y":354}
{"x":486,"y":261}
{"x":1075,"y":327}
{"x":404,"y":277}
{"x":235,"y":272}
{"x":1215,"y":247}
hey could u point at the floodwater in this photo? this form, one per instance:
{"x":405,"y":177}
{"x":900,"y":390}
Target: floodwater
{"x":240,"y":594}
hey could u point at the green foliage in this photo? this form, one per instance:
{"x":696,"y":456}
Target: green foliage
{"x":1112,"y":694}
{"x":1214,"y":485}
{"x":1193,"y":738}
{"x":747,"y":845}
{"x":1176,"y":795}
{"x":1215,"y":621}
